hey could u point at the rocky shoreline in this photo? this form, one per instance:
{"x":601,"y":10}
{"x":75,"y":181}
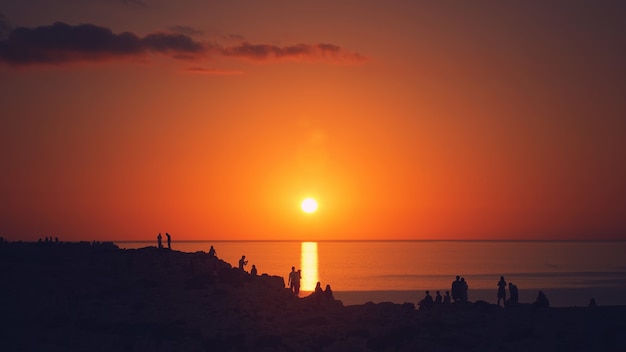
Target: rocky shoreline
{"x":97,"y":297}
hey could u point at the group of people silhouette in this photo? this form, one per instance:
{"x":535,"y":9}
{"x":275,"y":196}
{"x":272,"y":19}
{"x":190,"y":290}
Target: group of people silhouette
{"x":513,"y":293}
{"x":459,"y":289}
{"x":460,"y":292}
{"x":160,"y":241}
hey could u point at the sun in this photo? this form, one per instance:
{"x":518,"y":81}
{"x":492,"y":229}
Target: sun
{"x":308,"y":205}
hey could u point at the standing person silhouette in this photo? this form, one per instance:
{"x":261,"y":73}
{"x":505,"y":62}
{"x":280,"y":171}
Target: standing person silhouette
{"x":456,"y":289}
{"x":243,"y":262}
{"x":296,"y":285}
{"x":159,"y":241}
{"x":169,"y":240}
{"x":291,"y":282}
{"x":502,"y":290}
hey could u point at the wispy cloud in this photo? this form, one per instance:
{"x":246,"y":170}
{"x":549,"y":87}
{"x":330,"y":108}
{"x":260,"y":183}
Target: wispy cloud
{"x":302,"y":52}
{"x":62,"y":43}
{"x":190,"y":31}
{"x":213,"y":71}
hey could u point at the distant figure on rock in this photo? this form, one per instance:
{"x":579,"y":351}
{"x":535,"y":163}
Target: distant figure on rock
{"x":501,"y":291}
{"x":438,"y":298}
{"x":212,"y":251}
{"x":541,"y":301}
{"x":169,"y":240}
{"x":427,"y":301}
{"x":328,"y":294}
{"x":514,"y":295}
{"x":592,"y":303}
{"x":242,"y":262}
{"x":456,"y":289}
{"x":446,"y":298}
{"x":291,"y":281}
{"x":318,"y":288}
{"x":464,"y":290}
{"x":159,"y":241}
{"x":253,"y":271}
{"x":296,"y":285}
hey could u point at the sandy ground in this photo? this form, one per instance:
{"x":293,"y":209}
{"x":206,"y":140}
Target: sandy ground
{"x":96,"y":297}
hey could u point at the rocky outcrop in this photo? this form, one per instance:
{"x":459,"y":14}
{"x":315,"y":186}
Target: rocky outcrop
{"x":96,"y":297}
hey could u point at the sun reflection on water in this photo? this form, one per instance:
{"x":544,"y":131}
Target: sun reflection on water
{"x":308,"y":263}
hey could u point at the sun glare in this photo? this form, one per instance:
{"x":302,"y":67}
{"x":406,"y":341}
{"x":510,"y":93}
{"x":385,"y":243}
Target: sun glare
{"x":309,"y":205}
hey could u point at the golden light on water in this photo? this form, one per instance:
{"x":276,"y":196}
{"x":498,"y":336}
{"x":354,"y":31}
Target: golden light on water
{"x":308,"y":263}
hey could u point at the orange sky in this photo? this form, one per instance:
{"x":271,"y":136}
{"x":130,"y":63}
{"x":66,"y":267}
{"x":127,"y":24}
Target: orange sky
{"x":213,"y":120}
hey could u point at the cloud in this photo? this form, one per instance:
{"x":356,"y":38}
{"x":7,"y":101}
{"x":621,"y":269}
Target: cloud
{"x":212,"y":71}
{"x":62,"y":43}
{"x":190,"y":31}
{"x":303,"y":52}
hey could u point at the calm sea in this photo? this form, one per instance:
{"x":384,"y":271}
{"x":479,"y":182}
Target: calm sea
{"x":570,"y":273}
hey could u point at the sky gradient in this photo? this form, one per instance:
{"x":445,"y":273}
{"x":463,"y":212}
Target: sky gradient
{"x":403,"y":119}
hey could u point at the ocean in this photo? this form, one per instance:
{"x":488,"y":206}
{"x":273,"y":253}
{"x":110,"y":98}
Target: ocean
{"x":569,"y":272}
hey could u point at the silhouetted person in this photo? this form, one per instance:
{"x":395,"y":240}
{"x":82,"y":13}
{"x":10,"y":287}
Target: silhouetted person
{"x":328,"y":294}
{"x":212,"y":251}
{"x":541,"y":301}
{"x":56,"y":240}
{"x":592,"y":303}
{"x":292,"y":279}
{"x":169,"y":240}
{"x":464,"y":290}
{"x":318,"y":288}
{"x":296,"y":285}
{"x":159,"y":241}
{"x":456,"y":289}
{"x":446,"y":298}
{"x":253,"y":271}
{"x":501,"y":291}
{"x":427,"y":301}
{"x":514,"y":295}
{"x":438,"y":298}
{"x":242,"y":262}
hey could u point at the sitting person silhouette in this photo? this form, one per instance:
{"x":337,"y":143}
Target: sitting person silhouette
{"x":447,"y":298}
{"x":427,"y":302}
{"x":253,"y":271}
{"x":541,"y":301}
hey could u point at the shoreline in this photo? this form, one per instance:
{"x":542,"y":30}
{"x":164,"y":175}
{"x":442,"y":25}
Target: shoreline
{"x":559,"y":297}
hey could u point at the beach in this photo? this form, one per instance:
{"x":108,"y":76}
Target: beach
{"x":97,"y":297}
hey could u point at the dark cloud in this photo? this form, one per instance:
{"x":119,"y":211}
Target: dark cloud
{"x":190,"y":31}
{"x":63,"y":43}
